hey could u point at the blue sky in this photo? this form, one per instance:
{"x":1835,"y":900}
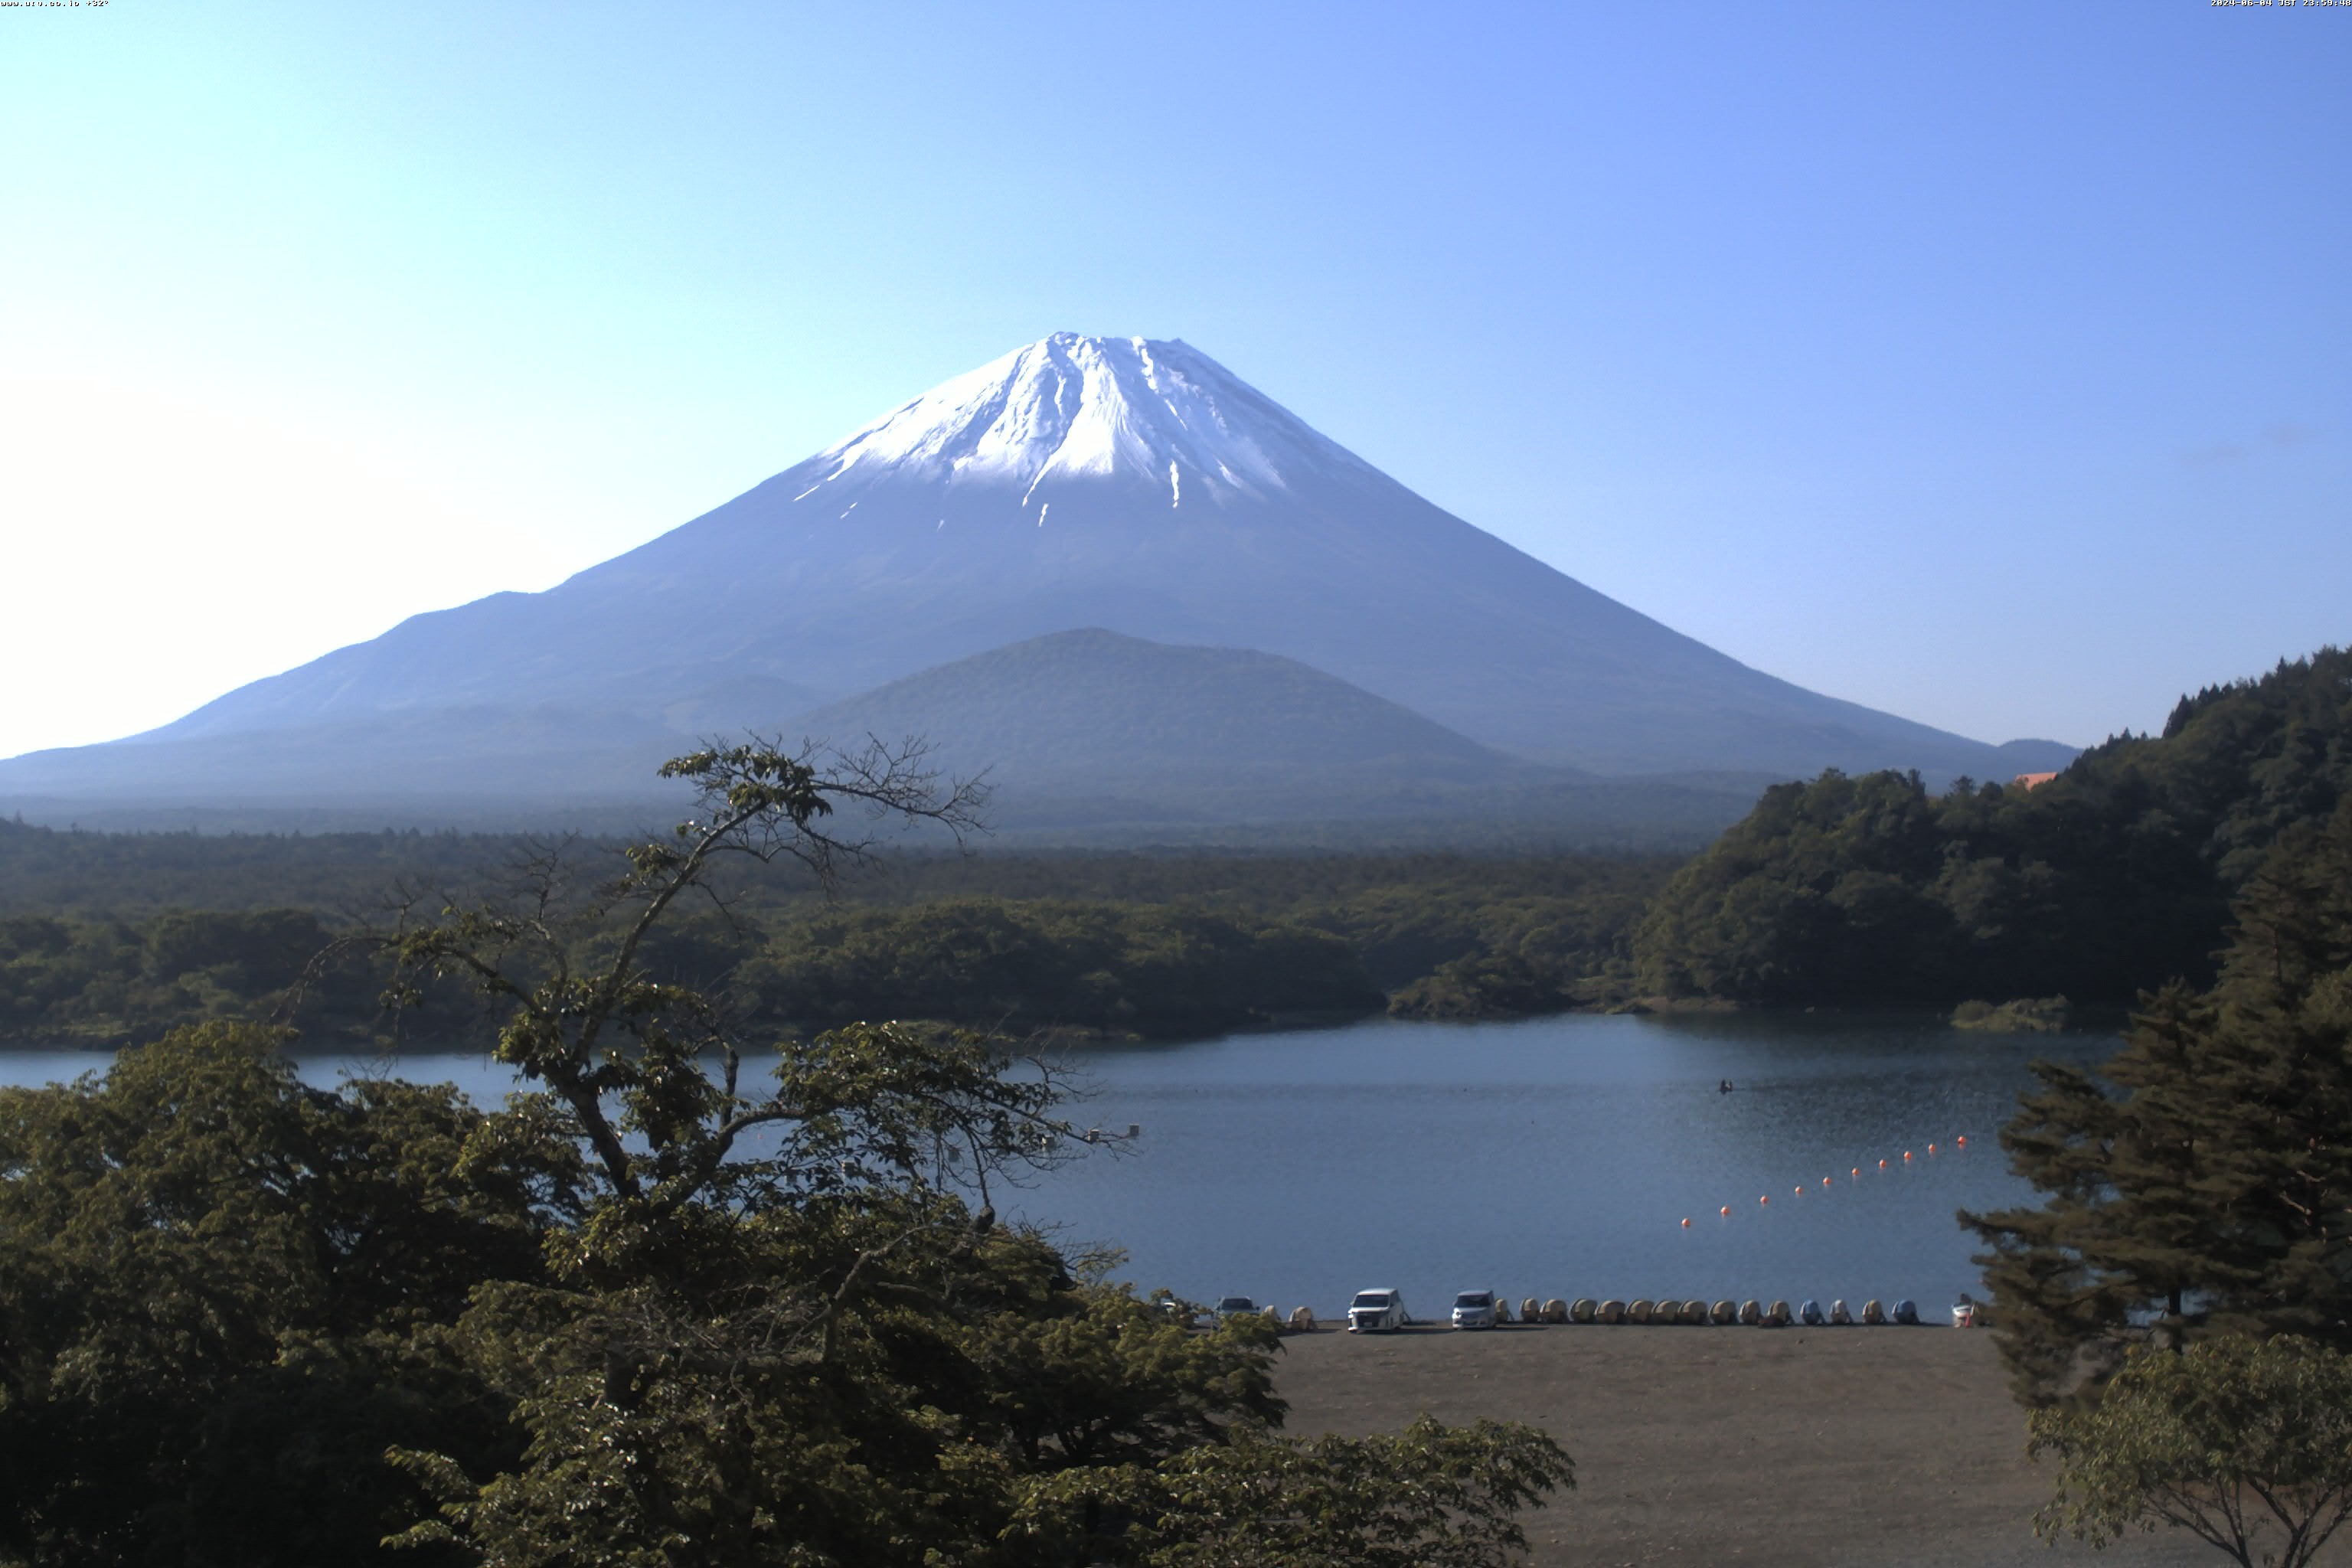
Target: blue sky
{"x":1991,"y":364}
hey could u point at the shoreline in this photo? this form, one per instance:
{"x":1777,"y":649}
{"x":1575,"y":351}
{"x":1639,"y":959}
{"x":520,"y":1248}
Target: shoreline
{"x":2086,"y":1021}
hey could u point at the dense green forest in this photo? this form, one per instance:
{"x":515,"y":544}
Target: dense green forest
{"x":1021,"y":967}
{"x":56,"y":871}
{"x":2111,"y":878}
{"x":50,"y":871}
{"x":1125,"y":944}
{"x":104,"y":981}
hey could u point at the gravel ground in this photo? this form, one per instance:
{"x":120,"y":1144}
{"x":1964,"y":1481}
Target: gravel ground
{"x":1878,"y":1448}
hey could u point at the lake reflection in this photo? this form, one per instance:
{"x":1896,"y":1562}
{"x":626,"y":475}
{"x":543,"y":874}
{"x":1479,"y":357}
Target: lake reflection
{"x":1547,"y":1157}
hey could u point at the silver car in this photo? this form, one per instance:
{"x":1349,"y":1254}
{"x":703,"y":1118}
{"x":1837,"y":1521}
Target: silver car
{"x":1474,"y":1310}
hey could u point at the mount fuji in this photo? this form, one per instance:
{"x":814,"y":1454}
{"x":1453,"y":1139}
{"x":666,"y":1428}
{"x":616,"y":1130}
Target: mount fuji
{"x":1126,"y":484}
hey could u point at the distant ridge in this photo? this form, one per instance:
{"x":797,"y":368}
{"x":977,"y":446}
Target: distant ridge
{"x":1123,"y":484}
{"x":1088,"y":709}
{"x":1090,"y":728}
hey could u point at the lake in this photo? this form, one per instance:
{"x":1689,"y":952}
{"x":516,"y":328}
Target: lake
{"x":1543,"y":1157}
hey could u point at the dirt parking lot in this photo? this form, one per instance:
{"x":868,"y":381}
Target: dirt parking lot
{"x":1803,"y":1448}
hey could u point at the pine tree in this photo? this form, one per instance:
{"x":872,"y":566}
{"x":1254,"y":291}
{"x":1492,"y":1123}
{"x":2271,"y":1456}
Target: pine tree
{"x":2280,"y":1087}
{"x":2205,"y":1185}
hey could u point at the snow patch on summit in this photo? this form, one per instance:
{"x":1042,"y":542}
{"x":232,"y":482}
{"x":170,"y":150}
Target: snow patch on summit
{"x":1082,"y":408}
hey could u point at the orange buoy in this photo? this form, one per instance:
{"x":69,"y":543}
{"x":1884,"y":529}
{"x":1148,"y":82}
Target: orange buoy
{"x":1857,"y":1172}
{"x":1962,"y":1140}
{"x":1931,"y":1148}
{"x":1825,"y":1180}
{"x":1907,"y":1153}
{"x":1765,"y":1199}
{"x":1727,"y":1208}
{"x":1800,"y":1192}
{"x":1686,"y":1225}
{"x":1882,"y":1164}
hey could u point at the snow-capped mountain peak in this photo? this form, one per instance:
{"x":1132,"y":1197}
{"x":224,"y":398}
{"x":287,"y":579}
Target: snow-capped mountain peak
{"x":1185,"y":508}
{"x":1074,"y":407}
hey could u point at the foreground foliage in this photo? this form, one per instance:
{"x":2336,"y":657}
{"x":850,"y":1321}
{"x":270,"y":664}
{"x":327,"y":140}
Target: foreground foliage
{"x":219,"y":1289}
{"x":2231,"y":1440}
{"x":665,"y":1308}
{"x":1432,"y":1496}
{"x":2204,"y":1176}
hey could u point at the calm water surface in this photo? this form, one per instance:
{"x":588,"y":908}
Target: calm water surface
{"x":1547,"y":1157}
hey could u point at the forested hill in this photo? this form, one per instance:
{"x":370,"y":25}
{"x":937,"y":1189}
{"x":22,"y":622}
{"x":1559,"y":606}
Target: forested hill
{"x":2112,"y":877}
{"x":106,"y":940}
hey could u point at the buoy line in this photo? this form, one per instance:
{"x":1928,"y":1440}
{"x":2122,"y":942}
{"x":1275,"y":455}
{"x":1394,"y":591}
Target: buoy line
{"x":1960,"y":1142}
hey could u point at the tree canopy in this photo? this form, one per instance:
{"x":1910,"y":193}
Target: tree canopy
{"x":1147,"y":946}
{"x":219,"y":1289}
{"x":2113,"y":877}
{"x":2236,"y":1440}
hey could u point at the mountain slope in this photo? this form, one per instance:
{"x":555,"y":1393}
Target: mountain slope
{"x":1088,"y":707}
{"x":570,"y":747}
{"x":1092,"y":737}
{"x":1095,"y":482}
{"x":1085,"y":723}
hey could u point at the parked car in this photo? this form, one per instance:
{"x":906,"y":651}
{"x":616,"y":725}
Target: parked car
{"x":1376,"y":1309}
{"x":1474,"y":1310}
{"x":1236,"y":1307}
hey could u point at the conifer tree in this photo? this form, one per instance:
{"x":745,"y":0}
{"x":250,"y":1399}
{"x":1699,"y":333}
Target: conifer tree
{"x":2207,"y":1182}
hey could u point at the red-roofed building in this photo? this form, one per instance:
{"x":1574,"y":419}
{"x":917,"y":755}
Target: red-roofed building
{"x":2029,"y":781}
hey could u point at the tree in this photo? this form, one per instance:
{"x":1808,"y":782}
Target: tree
{"x":780,"y":1333}
{"x":1432,"y":1496}
{"x":219,"y":1287}
{"x":563,"y":960}
{"x":2208,"y":1179}
{"x":2226,"y":1440}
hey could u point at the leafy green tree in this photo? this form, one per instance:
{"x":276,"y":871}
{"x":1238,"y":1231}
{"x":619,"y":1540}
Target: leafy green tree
{"x":2230,"y":1440}
{"x":2208,"y":1179}
{"x":220,"y":1290}
{"x":1431,"y":1496}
